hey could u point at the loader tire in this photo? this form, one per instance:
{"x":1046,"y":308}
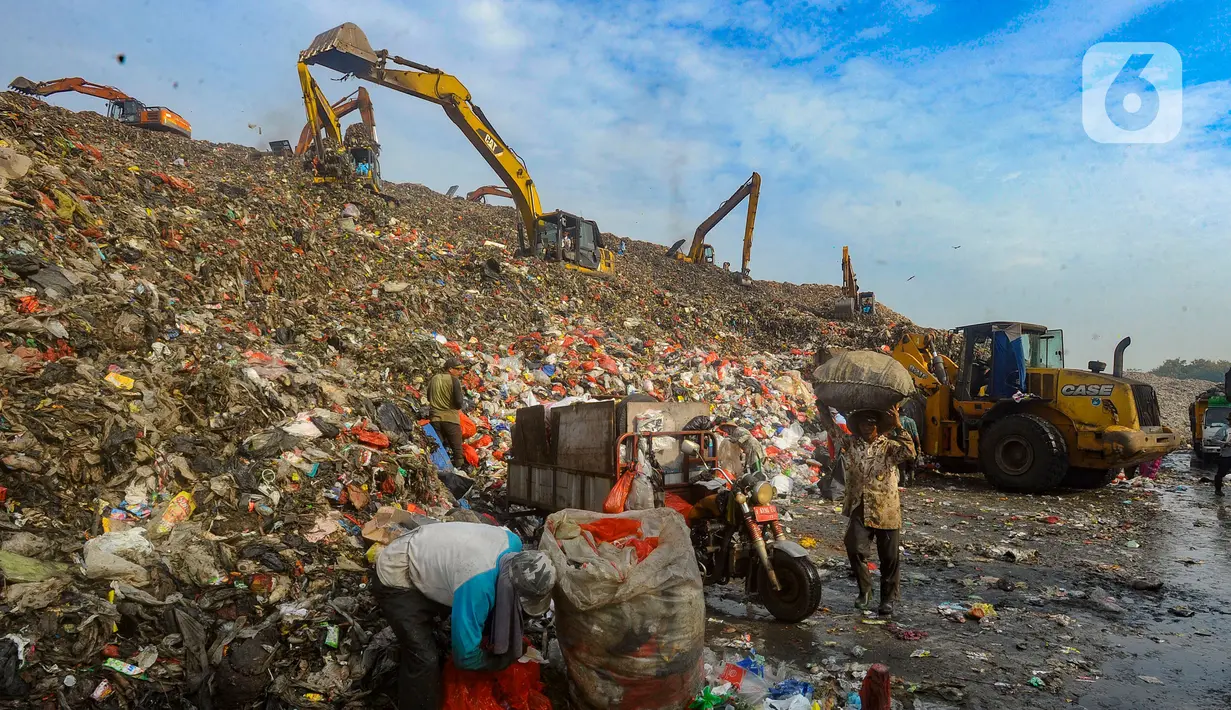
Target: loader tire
{"x":1023,"y":453}
{"x":1089,"y":478}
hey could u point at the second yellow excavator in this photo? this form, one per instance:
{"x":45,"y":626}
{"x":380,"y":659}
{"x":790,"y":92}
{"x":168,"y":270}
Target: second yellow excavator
{"x":330,"y":155}
{"x":556,"y":236}
{"x":699,"y":251}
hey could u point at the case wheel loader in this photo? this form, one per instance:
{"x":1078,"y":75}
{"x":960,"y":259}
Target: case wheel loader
{"x":1011,"y":409}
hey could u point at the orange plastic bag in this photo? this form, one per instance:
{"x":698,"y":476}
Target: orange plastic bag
{"x":468,"y":426}
{"x":613,"y":529}
{"x":471,"y":454}
{"x":680,"y":505}
{"x":614,"y":503}
{"x":517,"y":687}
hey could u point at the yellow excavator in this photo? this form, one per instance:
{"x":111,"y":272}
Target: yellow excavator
{"x":700,"y":252}
{"x":853,"y":300}
{"x":328,"y":154}
{"x":556,"y":236}
{"x":1013,"y":410}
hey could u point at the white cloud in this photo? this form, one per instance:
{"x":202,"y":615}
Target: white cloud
{"x":874,"y":32}
{"x":914,"y":9}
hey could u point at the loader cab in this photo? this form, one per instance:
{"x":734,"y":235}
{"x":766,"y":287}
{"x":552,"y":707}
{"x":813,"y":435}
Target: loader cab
{"x":997,"y":355}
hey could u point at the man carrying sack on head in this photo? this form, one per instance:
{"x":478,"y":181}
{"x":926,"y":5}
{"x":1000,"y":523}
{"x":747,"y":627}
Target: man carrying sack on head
{"x":870,"y":456}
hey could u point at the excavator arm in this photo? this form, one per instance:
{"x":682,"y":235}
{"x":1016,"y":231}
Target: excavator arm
{"x":341,"y":108}
{"x":74,"y":83}
{"x":750,"y":189}
{"x":494,"y":190}
{"x":320,"y":113}
{"x":346,"y":49}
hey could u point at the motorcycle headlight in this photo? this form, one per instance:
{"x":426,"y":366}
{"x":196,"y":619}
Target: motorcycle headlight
{"x":764,"y":493}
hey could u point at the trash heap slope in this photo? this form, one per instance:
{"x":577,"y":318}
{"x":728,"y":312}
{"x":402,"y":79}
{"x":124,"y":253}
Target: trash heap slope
{"x":182,"y":317}
{"x":1174,"y":396}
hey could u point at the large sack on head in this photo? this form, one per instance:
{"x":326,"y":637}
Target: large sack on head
{"x":862,"y":379}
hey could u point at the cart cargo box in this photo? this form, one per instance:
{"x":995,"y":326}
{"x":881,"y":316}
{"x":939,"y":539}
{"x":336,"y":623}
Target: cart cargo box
{"x":568,"y":456}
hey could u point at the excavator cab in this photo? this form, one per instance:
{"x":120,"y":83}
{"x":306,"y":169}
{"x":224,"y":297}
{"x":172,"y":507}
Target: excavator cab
{"x":575,"y":241}
{"x":126,"y":110}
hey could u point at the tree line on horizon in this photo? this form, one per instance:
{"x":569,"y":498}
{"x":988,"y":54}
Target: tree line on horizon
{"x":1199,"y":369}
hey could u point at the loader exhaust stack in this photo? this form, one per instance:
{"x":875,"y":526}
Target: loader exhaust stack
{"x":1117,"y":362}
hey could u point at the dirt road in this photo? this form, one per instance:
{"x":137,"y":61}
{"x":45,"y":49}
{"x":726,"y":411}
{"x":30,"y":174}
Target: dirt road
{"x":1076,"y":623}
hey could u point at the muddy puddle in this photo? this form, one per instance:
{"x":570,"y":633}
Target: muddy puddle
{"x":1071,"y":630}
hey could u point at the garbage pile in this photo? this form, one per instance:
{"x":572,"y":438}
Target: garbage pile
{"x":1174,"y":397}
{"x":213,"y":379}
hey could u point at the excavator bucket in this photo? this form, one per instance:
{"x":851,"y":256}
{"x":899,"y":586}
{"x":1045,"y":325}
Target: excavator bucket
{"x":23,"y":85}
{"x":344,"y":49}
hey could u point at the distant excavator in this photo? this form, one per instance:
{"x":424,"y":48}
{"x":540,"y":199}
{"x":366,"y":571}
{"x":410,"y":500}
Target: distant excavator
{"x":700,"y":252}
{"x":853,"y":300}
{"x":554,"y":236}
{"x":120,"y":106}
{"x":330,"y":155}
{"x":478,"y":194}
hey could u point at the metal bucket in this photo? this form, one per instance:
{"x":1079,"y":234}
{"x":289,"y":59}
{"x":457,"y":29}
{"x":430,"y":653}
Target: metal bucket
{"x":344,"y":49}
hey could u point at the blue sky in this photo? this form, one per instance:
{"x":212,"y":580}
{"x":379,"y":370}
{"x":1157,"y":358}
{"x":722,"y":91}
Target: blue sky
{"x":902,"y":128}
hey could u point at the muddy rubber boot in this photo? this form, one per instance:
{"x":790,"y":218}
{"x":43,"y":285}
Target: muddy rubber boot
{"x":885,"y":610}
{"x":864,"y":601}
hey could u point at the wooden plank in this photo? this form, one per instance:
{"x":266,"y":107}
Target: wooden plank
{"x":530,"y":436}
{"x":584,"y":436}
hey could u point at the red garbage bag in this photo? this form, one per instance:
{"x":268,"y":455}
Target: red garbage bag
{"x":517,"y":688}
{"x":471,"y":454}
{"x":680,"y":505}
{"x":468,"y":426}
{"x":614,"y":503}
{"x":612,"y":529}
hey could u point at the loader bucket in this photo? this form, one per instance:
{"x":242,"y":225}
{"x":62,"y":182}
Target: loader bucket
{"x":23,"y":85}
{"x":343,"y":49}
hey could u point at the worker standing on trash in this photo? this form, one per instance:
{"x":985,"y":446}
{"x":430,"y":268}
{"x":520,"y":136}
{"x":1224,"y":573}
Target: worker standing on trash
{"x":481,"y":578}
{"x":446,"y":398}
{"x":870,"y":458}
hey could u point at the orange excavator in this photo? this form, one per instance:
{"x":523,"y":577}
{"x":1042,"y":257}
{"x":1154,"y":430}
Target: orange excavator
{"x":478,"y":194}
{"x":120,"y":105}
{"x":347,"y":104}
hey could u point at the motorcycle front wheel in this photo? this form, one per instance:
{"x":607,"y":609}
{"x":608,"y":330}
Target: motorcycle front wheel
{"x":800,"y":592}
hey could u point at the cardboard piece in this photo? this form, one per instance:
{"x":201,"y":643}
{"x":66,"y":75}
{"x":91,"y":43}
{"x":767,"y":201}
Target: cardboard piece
{"x":390,"y":523}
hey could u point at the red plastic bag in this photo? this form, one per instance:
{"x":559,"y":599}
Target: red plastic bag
{"x":612,"y":529}
{"x":471,"y":454}
{"x":614,"y":503}
{"x":680,"y":505}
{"x":517,"y":687}
{"x":468,"y":426}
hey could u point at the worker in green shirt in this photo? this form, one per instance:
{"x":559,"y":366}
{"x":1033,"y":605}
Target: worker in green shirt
{"x":444,"y":395}
{"x":907,"y":468}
